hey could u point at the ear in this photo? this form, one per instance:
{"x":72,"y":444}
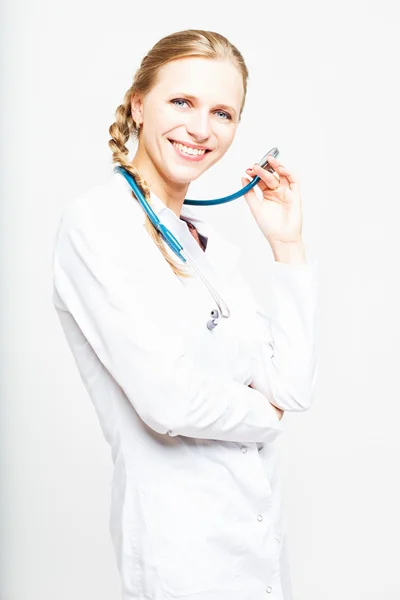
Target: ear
{"x":137,"y":108}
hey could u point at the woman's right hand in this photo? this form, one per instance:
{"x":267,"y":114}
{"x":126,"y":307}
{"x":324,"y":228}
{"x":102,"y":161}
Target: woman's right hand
{"x":278,"y":411}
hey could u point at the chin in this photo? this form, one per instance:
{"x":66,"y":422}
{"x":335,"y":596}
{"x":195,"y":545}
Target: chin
{"x":184,"y":176}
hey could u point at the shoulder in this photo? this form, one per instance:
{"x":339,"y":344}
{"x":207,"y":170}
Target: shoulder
{"x":110,"y":203}
{"x":106,"y":212}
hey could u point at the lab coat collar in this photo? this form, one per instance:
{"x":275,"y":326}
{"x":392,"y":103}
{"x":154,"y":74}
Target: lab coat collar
{"x":220,"y":257}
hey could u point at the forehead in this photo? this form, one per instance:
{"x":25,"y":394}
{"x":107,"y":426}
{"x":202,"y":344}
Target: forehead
{"x":209,"y":80}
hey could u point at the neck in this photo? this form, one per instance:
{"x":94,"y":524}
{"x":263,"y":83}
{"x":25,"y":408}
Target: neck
{"x":171,"y":193}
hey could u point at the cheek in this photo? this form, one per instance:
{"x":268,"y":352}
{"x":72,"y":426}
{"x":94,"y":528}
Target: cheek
{"x":226,"y":131}
{"x":159,"y":120}
{"x":226,"y":137}
{"x":168,"y":120}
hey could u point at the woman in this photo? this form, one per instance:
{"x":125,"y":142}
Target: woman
{"x":191,"y":413}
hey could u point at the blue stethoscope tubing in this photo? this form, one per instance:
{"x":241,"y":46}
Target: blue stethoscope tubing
{"x":169,"y":238}
{"x":177,"y":247}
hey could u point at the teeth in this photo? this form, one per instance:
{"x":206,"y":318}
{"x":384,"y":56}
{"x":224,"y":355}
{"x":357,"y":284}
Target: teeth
{"x":193,"y":151}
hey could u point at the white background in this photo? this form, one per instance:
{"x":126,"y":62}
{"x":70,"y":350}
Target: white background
{"x":324,"y":88}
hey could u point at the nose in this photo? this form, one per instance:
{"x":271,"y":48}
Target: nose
{"x":198,"y":125}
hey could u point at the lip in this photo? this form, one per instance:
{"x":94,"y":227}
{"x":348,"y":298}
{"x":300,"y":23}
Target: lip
{"x":190,"y":145}
{"x":189,"y":157}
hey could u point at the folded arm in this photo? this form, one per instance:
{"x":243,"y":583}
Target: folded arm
{"x":118,"y":303}
{"x":286,"y":356}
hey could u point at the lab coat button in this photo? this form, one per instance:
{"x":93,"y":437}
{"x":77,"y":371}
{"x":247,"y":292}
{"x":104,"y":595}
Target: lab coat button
{"x":260,"y":517}
{"x":243,"y":449}
{"x":269,"y":589}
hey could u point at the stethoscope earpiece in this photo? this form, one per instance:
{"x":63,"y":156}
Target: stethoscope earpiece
{"x":213,"y":322}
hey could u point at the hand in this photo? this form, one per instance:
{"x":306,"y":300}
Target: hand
{"x":279,"y":213}
{"x":278,"y":411}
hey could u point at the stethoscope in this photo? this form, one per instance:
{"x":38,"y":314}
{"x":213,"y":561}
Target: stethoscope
{"x":177,"y":247}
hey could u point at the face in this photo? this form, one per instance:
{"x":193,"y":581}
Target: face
{"x":195,"y":103}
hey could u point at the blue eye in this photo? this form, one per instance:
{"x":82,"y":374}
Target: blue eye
{"x":179,"y":100}
{"x":227,"y":115}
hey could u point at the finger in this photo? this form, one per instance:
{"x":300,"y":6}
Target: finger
{"x":268,"y":166}
{"x":283,"y":171}
{"x":273,"y":162}
{"x":262,"y":186}
{"x":271,"y":181}
{"x":283,"y":182}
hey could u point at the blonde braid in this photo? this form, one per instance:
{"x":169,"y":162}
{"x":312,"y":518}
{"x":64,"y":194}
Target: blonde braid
{"x":120,"y":132}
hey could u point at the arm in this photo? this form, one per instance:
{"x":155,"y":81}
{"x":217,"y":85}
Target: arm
{"x":286,"y":362}
{"x":117,"y":301}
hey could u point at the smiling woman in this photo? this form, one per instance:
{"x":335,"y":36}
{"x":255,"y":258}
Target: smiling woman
{"x":193,"y":123}
{"x":169,"y":107}
{"x":191,"y":412}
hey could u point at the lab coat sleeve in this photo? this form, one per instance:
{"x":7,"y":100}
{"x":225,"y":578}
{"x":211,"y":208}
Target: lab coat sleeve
{"x":119,"y":305}
{"x":286,"y":356}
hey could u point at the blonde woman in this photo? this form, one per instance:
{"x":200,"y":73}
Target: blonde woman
{"x":191,"y":413}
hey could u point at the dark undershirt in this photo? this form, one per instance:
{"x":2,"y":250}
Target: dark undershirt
{"x":200,"y":239}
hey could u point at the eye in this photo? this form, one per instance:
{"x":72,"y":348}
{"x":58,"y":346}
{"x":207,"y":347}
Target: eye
{"x":227,"y":116}
{"x":179,"y":100}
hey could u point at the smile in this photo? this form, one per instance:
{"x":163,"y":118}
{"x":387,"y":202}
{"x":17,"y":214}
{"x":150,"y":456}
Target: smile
{"x":193,"y":154}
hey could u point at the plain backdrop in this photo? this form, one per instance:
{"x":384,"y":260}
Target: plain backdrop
{"x":324,"y":88}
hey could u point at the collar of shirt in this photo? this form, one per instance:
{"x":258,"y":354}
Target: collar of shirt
{"x":220,"y":256}
{"x":187,"y":215}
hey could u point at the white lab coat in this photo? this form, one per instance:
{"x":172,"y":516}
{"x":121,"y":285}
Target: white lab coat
{"x":195,"y":503}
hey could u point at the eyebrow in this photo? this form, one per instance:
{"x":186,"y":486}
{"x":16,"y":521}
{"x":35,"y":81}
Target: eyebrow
{"x":225,"y":106}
